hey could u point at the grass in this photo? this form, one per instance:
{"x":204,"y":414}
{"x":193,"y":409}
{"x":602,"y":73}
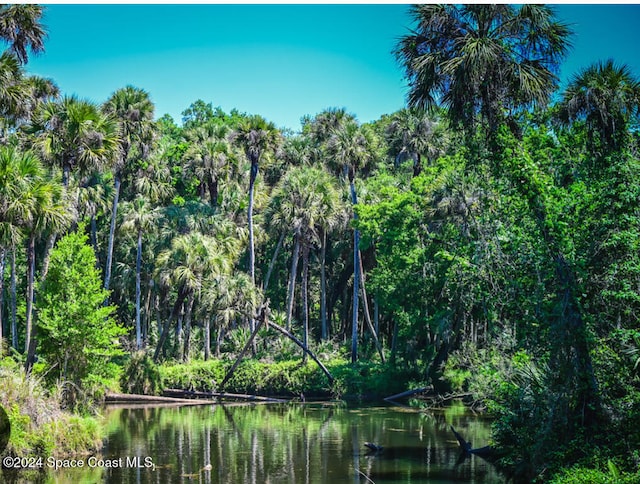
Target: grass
{"x":39,"y":427}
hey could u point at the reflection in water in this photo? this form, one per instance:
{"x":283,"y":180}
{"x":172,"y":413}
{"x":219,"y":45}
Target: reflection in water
{"x":297,"y":444}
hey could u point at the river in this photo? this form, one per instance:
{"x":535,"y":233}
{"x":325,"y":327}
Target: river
{"x":282,"y":444}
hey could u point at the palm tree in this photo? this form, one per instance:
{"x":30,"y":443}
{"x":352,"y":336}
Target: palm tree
{"x":257,"y":137}
{"x":412,"y":134}
{"x":209,"y":157}
{"x":191,"y":258}
{"x":20,"y":27}
{"x":606,"y":96}
{"x":17,"y":170}
{"x":132,"y":110}
{"x":352,"y":147}
{"x":140,"y":217}
{"x":74,"y":135}
{"x":477,"y":60}
{"x":47,"y":212}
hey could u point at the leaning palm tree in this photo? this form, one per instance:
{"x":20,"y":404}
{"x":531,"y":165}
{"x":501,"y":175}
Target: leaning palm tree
{"x":478,"y":60}
{"x":606,"y":96}
{"x":139,"y":217}
{"x":22,"y":30}
{"x":132,"y":110}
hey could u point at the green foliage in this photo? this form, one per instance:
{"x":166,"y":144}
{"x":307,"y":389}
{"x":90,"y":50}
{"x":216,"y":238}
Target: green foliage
{"x":78,"y":336}
{"x":141,"y":375}
{"x":290,"y":378}
{"x":39,"y":428}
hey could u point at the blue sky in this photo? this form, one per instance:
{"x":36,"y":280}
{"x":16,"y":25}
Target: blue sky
{"x":280,"y":61}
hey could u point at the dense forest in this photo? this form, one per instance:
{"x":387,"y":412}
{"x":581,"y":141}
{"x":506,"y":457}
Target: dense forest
{"x":484,"y":241}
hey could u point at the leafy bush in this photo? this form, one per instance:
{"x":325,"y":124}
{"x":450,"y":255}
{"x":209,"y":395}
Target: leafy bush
{"x":141,"y":375}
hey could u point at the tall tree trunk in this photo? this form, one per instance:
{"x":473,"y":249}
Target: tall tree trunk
{"x":182,"y":294}
{"x":112,"y":232}
{"x":29,"y":346}
{"x":368,"y":316}
{"x":3,"y":253}
{"x":213,"y":193}
{"x":292,"y":280}
{"x":252,"y":256}
{"x":356,"y":278}
{"x":324,"y":329}
{"x":14,"y":301}
{"x":305,"y":295}
{"x":207,"y":338}
{"x":94,"y":238}
{"x":187,"y":327}
{"x":138,"y":272}
{"x":273,"y":260}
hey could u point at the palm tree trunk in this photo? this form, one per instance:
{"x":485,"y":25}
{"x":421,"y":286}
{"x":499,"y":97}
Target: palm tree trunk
{"x":3,"y":253}
{"x":182,"y":294}
{"x":112,"y":231}
{"x":187,"y":327}
{"x":207,"y":338}
{"x":292,"y":280}
{"x":252,"y":257}
{"x":138,"y":271}
{"x":29,"y":346}
{"x":356,"y":279}
{"x":367,"y":315}
{"x":14,"y":301}
{"x":323,"y":288}
{"x":273,"y":260}
{"x":305,"y":295}
{"x":213,"y":193}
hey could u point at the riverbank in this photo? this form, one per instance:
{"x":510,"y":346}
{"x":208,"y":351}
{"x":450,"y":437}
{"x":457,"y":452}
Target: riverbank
{"x":39,"y":426}
{"x":362,"y":381}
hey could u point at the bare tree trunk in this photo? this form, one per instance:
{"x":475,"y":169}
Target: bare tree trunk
{"x":323,"y":288}
{"x":273,"y":260}
{"x":182,"y":294}
{"x":187,"y":327}
{"x":305,"y":295}
{"x":112,"y":232}
{"x":3,"y":253}
{"x":368,"y":317}
{"x":356,"y":280}
{"x":31,"y":263}
{"x":207,"y":338}
{"x":138,"y":271}
{"x":14,"y":301}
{"x":292,"y":280}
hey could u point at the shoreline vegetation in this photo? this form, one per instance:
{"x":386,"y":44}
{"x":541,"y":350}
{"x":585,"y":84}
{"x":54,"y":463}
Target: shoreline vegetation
{"x":482,"y":242}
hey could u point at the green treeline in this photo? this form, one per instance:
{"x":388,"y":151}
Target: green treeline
{"x":483,"y":240}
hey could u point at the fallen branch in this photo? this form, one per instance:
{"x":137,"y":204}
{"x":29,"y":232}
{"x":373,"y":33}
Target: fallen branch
{"x":408,"y":393}
{"x":221,"y":395}
{"x":304,"y":348}
{"x":133,"y":398}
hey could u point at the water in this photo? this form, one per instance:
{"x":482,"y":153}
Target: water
{"x":281,"y":444}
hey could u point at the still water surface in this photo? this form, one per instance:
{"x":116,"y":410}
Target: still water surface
{"x":296,"y":444}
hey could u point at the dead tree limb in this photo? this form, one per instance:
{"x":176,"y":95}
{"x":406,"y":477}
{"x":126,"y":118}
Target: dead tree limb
{"x":367,"y":316}
{"x":261,"y":317}
{"x":304,"y":348}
